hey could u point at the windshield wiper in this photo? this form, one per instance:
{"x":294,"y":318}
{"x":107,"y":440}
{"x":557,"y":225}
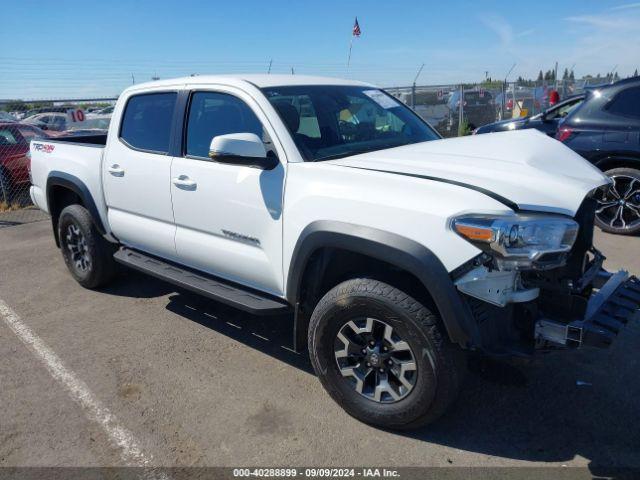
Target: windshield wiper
{"x":358,"y":152}
{"x":342,"y":155}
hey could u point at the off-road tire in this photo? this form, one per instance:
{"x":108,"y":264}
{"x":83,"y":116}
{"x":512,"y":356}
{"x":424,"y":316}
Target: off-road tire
{"x":101,"y":267}
{"x":633,"y":204}
{"x":440,"y":365}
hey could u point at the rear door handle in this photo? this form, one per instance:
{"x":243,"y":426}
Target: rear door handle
{"x":116,"y":171}
{"x":184,"y":182}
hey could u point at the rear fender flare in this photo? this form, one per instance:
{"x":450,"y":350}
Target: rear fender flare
{"x":70,"y":182}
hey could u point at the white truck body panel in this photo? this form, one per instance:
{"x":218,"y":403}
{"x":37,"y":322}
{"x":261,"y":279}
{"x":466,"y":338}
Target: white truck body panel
{"x":140,"y":211}
{"x":414,"y":208}
{"x":525,"y":166}
{"x":230,"y":201}
{"x":78,"y":160}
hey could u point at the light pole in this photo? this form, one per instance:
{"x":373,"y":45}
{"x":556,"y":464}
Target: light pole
{"x":504,"y":91}
{"x":413,"y":87}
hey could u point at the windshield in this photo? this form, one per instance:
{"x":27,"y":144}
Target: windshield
{"x":337,"y":121}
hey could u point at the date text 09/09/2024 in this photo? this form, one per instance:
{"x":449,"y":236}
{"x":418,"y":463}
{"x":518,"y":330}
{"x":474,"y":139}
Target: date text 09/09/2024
{"x":316,"y":472}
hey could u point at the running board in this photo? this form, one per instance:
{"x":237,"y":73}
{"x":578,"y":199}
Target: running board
{"x":207,"y":286}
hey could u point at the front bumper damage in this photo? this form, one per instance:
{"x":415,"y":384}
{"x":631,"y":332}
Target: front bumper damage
{"x":577,"y":304}
{"x":608,"y":310}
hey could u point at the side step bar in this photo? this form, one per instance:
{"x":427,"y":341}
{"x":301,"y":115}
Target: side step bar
{"x":207,"y":286}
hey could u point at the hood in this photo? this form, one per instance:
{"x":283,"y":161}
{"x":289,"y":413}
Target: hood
{"x":523,"y":167}
{"x":503,"y":124}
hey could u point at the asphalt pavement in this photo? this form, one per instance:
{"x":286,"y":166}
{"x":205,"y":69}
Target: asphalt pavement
{"x":186,"y":381}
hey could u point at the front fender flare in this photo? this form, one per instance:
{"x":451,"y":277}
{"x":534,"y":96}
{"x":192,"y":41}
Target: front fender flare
{"x":397,"y":250}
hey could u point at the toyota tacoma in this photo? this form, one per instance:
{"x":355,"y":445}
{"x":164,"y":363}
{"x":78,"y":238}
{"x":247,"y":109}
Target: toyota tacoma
{"x":395,"y":252}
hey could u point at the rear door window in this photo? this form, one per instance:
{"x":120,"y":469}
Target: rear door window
{"x":146,"y":123}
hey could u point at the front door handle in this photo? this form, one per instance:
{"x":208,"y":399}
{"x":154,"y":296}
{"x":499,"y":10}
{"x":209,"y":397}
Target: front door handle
{"x":184,"y":182}
{"x":116,"y":171}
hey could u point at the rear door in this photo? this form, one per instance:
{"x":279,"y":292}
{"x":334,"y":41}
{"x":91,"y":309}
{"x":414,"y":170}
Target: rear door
{"x":136,"y":174}
{"x":228,"y":217}
{"x":622,"y":133}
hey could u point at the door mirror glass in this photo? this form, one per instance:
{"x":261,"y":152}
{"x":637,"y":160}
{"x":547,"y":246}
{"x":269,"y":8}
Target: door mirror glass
{"x":244,"y":149}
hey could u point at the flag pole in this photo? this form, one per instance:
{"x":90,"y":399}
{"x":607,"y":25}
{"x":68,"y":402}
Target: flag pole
{"x":350,"y":47}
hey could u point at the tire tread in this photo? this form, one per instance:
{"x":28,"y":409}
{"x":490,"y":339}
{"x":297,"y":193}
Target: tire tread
{"x":449,"y":358}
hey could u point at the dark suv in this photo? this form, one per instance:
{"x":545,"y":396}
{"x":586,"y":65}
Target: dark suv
{"x":605,"y":130}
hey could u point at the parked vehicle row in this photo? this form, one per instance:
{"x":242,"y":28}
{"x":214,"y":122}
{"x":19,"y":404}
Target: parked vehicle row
{"x":603,"y":126}
{"x":45,"y":122}
{"x":546,"y":121}
{"x":14,"y":158}
{"x":60,"y":122}
{"x":605,"y":129}
{"x":395,"y":252}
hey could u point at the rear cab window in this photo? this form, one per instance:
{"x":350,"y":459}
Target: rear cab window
{"x":147,"y":120}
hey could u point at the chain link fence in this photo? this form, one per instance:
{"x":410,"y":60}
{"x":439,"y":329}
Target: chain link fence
{"x":457,"y":109}
{"x":15,"y":202}
{"x":452,"y":109}
{"x":18,"y":129}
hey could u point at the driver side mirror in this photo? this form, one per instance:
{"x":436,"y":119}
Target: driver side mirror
{"x":242,"y":149}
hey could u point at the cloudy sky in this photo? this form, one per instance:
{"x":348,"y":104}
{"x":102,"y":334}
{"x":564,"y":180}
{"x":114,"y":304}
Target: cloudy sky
{"x":85,"y":48}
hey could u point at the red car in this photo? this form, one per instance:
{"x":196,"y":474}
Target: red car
{"x":14,"y":162}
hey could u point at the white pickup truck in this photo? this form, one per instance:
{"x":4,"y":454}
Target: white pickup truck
{"x":395,"y":251}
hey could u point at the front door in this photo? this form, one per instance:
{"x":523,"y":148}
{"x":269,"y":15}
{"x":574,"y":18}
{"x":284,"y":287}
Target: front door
{"x":136,"y":175}
{"x":228,"y":217}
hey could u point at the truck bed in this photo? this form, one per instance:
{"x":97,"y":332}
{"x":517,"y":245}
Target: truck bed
{"x":97,"y":139}
{"x":74,"y":159}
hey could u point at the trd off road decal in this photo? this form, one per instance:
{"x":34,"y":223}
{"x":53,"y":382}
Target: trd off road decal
{"x":44,"y":147}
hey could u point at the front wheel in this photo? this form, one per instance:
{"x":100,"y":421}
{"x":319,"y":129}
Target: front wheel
{"x":619,"y":207}
{"x":382,"y":356}
{"x":88,"y":256}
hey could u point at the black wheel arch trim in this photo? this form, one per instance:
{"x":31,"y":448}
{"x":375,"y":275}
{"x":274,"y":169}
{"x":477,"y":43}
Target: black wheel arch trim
{"x":605,"y":161}
{"x":73,"y":183}
{"x":394,"y":249}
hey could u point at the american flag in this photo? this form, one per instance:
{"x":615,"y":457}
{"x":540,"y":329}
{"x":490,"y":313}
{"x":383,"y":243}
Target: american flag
{"x":356,"y":29}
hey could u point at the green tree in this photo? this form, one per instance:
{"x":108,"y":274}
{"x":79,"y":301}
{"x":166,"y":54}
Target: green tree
{"x":540,"y":77}
{"x":15,"y":106}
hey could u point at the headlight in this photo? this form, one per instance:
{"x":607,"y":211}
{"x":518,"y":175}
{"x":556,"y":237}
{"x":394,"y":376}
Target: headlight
{"x":520,"y":242}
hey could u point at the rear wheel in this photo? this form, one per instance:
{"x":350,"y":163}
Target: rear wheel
{"x":381,"y":355}
{"x":619,"y":207}
{"x":88,"y":256}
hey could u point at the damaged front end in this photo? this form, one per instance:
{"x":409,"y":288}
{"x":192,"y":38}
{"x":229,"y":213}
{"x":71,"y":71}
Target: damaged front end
{"x":539,"y":284}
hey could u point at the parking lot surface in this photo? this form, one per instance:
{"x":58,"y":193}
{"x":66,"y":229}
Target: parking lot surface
{"x":196,"y":383}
